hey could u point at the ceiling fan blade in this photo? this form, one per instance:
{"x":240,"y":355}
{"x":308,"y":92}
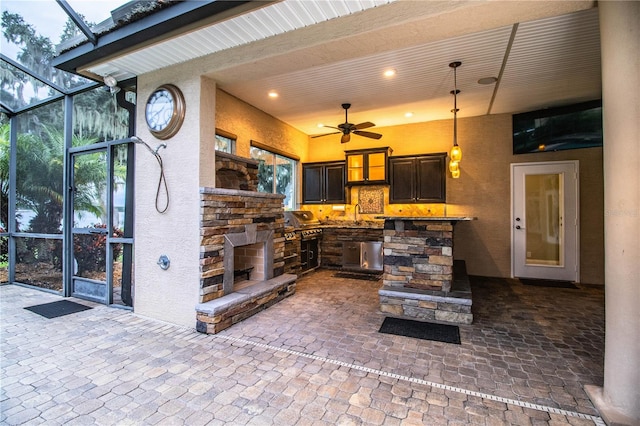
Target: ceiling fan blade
{"x":368,"y":134}
{"x":325,"y":134}
{"x":364,"y":125}
{"x":345,"y":138}
{"x":331,"y":127}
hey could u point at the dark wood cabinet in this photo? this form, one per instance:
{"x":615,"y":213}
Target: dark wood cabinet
{"x":367,"y":166}
{"x":418,"y":179}
{"x":309,"y":255}
{"x":323,"y":183}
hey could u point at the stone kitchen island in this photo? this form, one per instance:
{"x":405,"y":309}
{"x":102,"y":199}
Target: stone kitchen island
{"x":421,"y":280}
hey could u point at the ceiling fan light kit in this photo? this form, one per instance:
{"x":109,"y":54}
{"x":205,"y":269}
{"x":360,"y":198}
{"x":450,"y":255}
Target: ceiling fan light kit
{"x":347,"y":128}
{"x":455,"y":155}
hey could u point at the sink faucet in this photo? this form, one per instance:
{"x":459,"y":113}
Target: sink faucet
{"x":355,"y":213}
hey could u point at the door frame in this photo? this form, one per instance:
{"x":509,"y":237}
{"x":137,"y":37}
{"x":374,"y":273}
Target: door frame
{"x":126,"y":241}
{"x":552,"y":168}
{"x":100,"y":289}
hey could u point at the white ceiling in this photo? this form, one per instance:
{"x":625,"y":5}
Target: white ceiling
{"x":320,"y":54}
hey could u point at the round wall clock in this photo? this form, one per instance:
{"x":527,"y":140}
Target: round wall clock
{"x":165,"y":111}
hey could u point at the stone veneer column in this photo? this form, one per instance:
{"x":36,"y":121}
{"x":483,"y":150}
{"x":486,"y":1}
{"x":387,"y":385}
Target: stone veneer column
{"x":619,"y":399}
{"x":418,"y":254}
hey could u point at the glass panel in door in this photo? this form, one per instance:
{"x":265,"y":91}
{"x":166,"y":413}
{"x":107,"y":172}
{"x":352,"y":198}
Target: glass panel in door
{"x":355,"y":167}
{"x":90,"y":227}
{"x":543,"y":237}
{"x":376,"y":166}
{"x":121,"y":240}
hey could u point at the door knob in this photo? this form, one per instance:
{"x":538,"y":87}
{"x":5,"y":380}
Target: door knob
{"x":518,"y":227}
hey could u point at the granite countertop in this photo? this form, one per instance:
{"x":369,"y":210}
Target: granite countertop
{"x":428,"y":218}
{"x":371,"y":224}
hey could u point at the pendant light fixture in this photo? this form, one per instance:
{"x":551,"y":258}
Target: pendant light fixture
{"x":456,"y":152}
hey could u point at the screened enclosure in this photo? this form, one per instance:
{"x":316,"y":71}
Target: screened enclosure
{"x":66,"y":159}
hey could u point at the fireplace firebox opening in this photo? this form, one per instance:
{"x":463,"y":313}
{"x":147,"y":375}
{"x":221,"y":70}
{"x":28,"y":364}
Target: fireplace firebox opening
{"x":247,"y":256}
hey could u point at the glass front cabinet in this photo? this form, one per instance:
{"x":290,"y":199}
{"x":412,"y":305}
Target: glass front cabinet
{"x":367,"y":166}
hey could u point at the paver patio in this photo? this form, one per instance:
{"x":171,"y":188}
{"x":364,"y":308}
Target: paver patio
{"x":314,"y":359}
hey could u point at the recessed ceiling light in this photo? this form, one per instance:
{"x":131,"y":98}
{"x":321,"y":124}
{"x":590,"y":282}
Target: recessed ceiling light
{"x":487,"y":80}
{"x":320,"y":125}
{"x":390,"y":72}
{"x":273,"y":94}
{"x":408,"y":114}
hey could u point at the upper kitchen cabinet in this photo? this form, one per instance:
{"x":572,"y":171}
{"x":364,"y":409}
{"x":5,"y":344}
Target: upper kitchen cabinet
{"x":367,"y":166}
{"x":323,"y":183}
{"x":418,"y":179}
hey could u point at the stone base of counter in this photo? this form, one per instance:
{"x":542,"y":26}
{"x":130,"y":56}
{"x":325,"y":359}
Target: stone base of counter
{"x":218,"y":314}
{"x":426,"y":305}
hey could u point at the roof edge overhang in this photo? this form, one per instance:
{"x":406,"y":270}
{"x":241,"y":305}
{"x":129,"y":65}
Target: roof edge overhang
{"x":165,"y":23}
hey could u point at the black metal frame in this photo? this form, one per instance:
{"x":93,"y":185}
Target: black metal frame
{"x":67,"y":97}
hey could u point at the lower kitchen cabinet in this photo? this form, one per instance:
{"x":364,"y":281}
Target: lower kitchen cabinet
{"x":334,"y":239}
{"x":418,"y":179}
{"x":309,"y":254}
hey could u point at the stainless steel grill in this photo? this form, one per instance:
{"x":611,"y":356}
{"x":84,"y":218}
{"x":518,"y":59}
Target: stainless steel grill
{"x":300,"y":219}
{"x":304,"y":223}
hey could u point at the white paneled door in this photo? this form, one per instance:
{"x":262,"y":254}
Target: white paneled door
{"x":545,"y":220}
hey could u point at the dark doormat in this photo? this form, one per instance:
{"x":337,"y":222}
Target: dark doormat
{"x":547,"y":283}
{"x":57,"y":309}
{"x":357,"y":276}
{"x":421,"y":330}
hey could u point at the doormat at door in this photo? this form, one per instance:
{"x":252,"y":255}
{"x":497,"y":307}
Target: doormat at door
{"x":547,"y":283}
{"x":421,"y":330}
{"x":57,"y":309}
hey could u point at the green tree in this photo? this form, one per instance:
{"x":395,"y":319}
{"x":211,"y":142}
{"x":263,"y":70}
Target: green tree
{"x":96,"y":113}
{"x":39,"y":183}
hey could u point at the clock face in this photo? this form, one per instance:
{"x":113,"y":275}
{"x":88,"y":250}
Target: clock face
{"x":160,"y":109}
{"x":165,"y":111}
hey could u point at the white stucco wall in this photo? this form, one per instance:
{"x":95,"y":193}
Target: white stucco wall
{"x":171,"y":295}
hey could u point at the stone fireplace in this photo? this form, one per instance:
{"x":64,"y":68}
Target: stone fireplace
{"x":241,"y":256}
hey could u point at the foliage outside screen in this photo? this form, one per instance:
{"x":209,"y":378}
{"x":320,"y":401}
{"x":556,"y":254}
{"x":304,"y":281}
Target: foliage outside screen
{"x":40,"y":147}
{"x":276,"y":174}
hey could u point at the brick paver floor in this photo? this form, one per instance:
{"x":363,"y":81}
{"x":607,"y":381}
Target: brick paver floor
{"x":314,"y":359}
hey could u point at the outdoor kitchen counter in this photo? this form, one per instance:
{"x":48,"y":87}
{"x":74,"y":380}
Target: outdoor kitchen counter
{"x":350,"y":224}
{"x":429,"y":218}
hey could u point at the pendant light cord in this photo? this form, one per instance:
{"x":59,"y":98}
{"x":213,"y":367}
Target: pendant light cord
{"x":455,"y":92}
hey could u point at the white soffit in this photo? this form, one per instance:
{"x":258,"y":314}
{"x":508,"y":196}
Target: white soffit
{"x":553,"y":61}
{"x":277,"y":18}
{"x":559,"y":56}
{"x":422,"y":84}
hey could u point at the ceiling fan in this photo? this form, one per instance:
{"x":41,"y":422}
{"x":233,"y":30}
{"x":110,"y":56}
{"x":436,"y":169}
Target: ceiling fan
{"x":347,"y":128}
